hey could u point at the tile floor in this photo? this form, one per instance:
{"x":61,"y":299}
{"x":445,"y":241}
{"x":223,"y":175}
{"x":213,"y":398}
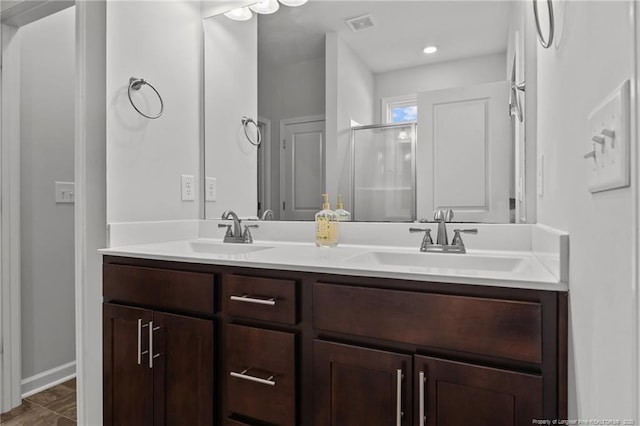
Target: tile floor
{"x":54,"y":406}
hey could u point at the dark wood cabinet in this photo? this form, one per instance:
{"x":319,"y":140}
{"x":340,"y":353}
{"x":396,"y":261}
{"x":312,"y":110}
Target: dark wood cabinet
{"x":158,"y":366}
{"x":459,"y":394}
{"x":128,"y":381}
{"x":304,"y":348}
{"x":360,"y":386}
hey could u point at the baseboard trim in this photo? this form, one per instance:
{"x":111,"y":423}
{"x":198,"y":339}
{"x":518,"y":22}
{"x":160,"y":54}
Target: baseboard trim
{"x":47,"y":379}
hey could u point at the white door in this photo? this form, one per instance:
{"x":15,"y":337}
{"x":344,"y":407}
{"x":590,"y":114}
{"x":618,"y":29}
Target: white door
{"x":302,"y":177}
{"x":466,"y":143}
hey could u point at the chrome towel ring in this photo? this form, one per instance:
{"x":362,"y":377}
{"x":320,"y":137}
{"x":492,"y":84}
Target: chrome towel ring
{"x":135,"y":84}
{"x":245,"y":124}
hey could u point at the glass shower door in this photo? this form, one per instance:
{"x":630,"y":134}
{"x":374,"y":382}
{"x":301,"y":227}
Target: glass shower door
{"x":383,"y":172}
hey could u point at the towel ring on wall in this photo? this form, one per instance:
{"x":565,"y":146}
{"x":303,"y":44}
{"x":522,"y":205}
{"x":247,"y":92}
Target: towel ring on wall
{"x":135,"y":84}
{"x":547,"y":16}
{"x":245,"y":124}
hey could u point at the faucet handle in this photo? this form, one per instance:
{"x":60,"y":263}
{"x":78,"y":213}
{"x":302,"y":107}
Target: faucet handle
{"x":229,"y":232}
{"x":246,"y":235}
{"x":427,"y":240}
{"x":457,"y":239}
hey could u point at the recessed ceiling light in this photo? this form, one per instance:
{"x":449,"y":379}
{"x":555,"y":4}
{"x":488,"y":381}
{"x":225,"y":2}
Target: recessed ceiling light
{"x":240,"y":14}
{"x":430,"y":49}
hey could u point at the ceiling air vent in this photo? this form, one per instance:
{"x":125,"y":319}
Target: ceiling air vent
{"x":360,"y":23}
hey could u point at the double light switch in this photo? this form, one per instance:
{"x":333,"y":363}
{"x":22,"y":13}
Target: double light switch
{"x":607,"y":157}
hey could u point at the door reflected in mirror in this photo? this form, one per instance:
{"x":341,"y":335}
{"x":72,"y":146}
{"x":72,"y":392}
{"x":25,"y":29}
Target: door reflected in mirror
{"x":328,"y":67}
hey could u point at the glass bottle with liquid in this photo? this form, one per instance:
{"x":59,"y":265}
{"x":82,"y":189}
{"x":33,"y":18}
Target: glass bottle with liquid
{"x":343,"y":215}
{"x":326,"y":225}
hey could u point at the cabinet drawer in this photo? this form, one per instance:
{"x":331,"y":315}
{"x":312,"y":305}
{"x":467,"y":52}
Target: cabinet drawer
{"x":263,"y":299}
{"x":260,"y":374}
{"x":160,"y":288}
{"x":493,"y":327}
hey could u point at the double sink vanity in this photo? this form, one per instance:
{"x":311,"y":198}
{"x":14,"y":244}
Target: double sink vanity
{"x":280,"y":332}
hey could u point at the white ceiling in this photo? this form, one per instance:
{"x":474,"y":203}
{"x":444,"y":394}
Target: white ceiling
{"x":402,"y":29}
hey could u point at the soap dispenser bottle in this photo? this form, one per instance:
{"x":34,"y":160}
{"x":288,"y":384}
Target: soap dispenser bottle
{"x":326,"y":225}
{"x":343,"y":215}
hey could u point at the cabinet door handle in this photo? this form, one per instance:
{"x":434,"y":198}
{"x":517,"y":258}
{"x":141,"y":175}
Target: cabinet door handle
{"x":399,"y":412}
{"x":152,"y":356}
{"x":423,"y":417}
{"x":140,"y":353}
{"x":245,"y":298}
{"x":242,"y":375}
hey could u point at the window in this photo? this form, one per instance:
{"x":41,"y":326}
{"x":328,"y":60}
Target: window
{"x":400,"y":109}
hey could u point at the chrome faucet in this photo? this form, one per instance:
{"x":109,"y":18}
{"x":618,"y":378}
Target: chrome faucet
{"x":268,"y":214}
{"x":442,"y":217}
{"x":442,"y":241}
{"x":232,"y":235}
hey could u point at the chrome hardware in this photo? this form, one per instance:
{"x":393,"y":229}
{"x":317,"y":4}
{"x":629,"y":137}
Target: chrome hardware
{"x":442,"y":217}
{"x":426,"y":240}
{"x":242,"y":375}
{"x":232,"y":235}
{"x":457,"y":239}
{"x":423,"y":417}
{"x":140,"y":353}
{"x":267,"y":215}
{"x":246,"y":236}
{"x":245,"y":298}
{"x":399,"y":412}
{"x":442,"y":242}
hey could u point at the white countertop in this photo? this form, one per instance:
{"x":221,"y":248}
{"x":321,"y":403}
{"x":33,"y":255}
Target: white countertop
{"x":529,"y":271}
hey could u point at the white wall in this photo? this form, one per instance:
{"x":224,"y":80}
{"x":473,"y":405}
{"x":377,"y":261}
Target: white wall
{"x":47,"y":229}
{"x":288,"y":91}
{"x":161,"y":42}
{"x":443,"y":75}
{"x":231,"y":92}
{"x":591,"y":56}
{"x":350,"y":96}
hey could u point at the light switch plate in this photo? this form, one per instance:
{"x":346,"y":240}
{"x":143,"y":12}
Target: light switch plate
{"x":608,"y":162}
{"x":65,"y":193}
{"x":188,"y":188}
{"x":211,"y":190}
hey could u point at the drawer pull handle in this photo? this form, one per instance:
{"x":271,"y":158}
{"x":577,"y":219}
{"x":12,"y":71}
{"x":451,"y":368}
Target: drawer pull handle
{"x":245,"y":298}
{"x":140,"y":352}
{"x":242,"y":375}
{"x":423,"y":417}
{"x":399,"y":412}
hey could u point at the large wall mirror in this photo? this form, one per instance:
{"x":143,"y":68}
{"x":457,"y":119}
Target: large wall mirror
{"x":350,"y":102}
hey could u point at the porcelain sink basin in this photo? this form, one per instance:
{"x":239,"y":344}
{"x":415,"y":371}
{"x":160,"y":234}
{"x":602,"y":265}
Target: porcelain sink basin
{"x":224,"y":248}
{"x":449,"y":261}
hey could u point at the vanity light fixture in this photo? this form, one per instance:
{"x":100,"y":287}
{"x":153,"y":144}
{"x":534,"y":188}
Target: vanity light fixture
{"x":430,"y":49}
{"x":265,"y":6}
{"x":293,"y":3}
{"x":239,"y":14}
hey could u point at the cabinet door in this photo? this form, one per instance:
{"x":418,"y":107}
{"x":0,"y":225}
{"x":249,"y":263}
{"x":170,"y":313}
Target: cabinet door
{"x":355,"y":386}
{"x":183,"y":374}
{"x":459,"y":394}
{"x":128,"y":381}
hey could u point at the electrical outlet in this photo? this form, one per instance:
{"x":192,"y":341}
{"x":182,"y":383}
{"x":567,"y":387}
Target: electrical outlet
{"x":211,"y":189}
{"x":188,"y":188}
{"x":65,"y":193}
{"x":540,"y":176}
